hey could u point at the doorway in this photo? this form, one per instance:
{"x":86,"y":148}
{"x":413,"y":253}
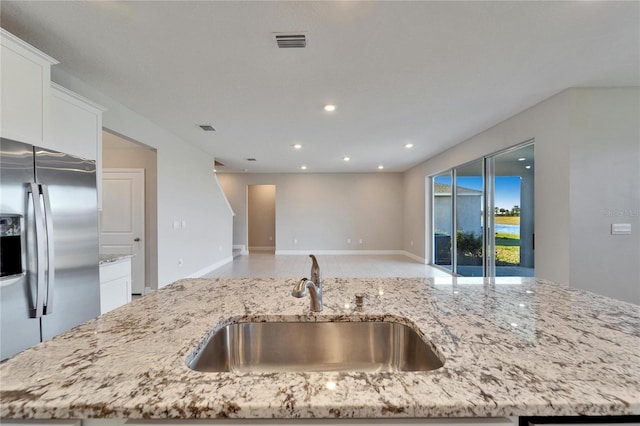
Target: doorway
{"x":261,"y":218}
{"x":122,"y":220}
{"x":121,"y":152}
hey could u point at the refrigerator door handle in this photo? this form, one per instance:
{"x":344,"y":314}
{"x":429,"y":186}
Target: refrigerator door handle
{"x":48,"y":306}
{"x":34,"y":190}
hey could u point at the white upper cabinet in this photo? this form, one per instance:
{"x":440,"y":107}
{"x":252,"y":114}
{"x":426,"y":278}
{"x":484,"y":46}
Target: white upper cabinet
{"x":76,"y":129}
{"x":25,"y":74}
{"x":76,"y":124}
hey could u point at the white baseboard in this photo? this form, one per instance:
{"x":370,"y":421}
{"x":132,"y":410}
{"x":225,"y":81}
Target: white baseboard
{"x":262,"y":248}
{"x":352,"y":252}
{"x":415,"y":257}
{"x":338,"y":252}
{"x":211,"y":268}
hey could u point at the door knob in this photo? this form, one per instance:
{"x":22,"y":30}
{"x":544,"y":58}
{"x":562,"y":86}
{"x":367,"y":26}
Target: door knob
{"x":136,"y":239}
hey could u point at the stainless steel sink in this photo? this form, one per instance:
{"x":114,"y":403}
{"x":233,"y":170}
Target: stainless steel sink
{"x":315,"y":346}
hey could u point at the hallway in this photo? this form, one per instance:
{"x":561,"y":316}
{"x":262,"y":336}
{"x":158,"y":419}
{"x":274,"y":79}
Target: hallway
{"x":264,"y":264}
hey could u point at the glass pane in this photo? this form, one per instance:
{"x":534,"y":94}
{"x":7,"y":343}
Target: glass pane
{"x":513,"y":212}
{"x":469,"y":219}
{"x":442,"y":220}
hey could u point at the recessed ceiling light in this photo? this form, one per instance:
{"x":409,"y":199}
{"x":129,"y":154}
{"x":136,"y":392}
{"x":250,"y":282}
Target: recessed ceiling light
{"x":527,"y":167}
{"x":329,"y":108}
{"x":380,"y":167}
{"x":346,"y":158}
{"x":303,"y":167}
{"x":408,"y":145}
{"x":297,"y":146}
{"x":521,"y":159}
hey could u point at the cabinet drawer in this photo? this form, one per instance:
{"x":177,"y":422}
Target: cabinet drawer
{"x":115,"y":270}
{"x":114,"y":294}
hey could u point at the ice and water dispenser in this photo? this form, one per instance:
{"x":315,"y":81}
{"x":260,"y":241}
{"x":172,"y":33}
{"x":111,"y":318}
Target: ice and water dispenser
{"x":11,"y":259}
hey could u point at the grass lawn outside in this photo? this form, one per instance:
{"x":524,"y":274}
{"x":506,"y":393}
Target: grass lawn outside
{"x":507,"y":220}
{"x":507,"y":245}
{"x":507,"y":249}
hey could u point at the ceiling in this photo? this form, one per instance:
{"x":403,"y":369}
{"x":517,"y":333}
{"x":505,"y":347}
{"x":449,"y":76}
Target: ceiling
{"x":428,"y":73}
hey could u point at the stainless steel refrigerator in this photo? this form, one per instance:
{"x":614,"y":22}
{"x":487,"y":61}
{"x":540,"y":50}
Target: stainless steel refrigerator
{"x":49,"y":279}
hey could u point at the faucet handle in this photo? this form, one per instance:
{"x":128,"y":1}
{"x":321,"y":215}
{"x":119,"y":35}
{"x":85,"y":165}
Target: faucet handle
{"x":300,"y":289}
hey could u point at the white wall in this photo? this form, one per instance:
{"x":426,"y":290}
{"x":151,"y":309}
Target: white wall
{"x":605,"y":189}
{"x":187,"y":191}
{"x":571,"y":191}
{"x":322,"y":211}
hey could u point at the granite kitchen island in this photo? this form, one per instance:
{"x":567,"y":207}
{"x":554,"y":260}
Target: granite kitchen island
{"x":511,"y":347}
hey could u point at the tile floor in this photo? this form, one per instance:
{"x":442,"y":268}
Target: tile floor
{"x":268,"y":265}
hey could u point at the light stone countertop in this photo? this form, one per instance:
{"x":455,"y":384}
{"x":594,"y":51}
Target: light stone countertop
{"x":113,"y":258}
{"x":513,"y":347}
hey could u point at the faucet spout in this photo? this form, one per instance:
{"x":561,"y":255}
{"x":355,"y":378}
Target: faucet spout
{"x":316,"y":276}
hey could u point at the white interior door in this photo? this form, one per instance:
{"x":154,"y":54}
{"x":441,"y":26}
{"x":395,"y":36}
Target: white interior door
{"x":122,"y":219}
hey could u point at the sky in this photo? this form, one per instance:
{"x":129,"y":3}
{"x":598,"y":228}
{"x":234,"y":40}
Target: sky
{"x":507,"y":191}
{"x":507,"y":188}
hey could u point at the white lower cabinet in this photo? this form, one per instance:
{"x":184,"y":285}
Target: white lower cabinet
{"x":115,"y":284}
{"x":463,"y":421}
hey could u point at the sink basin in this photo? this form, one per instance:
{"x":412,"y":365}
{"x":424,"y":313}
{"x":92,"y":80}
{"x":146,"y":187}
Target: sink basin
{"x":315,"y":346}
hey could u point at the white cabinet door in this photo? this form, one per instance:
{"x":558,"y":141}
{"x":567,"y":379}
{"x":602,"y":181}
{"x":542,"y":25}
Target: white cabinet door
{"x":76,"y":129}
{"x":115,"y":285}
{"x":25,"y":80}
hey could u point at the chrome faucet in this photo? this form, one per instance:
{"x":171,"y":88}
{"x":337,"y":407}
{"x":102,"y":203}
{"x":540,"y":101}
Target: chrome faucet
{"x":314,"y":285}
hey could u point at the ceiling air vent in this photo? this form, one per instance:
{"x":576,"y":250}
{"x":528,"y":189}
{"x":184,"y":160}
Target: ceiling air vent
{"x":286,"y":41}
{"x":207,"y":127}
{"x":251,"y":159}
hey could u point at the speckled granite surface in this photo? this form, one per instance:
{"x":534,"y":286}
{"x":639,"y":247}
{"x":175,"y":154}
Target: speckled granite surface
{"x":111,"y":258}
{"x":512,"y":347}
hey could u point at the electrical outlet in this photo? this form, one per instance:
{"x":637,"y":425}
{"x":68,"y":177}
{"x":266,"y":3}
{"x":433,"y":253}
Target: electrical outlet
{"x":348,"y":240}
{"x":180,"y":263}
{"x":295,"y":241}
{"x":620,"y":229}
{"x":360,"y":241}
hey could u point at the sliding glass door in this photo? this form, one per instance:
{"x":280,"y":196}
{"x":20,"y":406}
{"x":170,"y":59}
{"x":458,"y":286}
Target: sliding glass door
{"x":488,"y":206}
{"x":442,"y":221}
{"x":512,"y":218}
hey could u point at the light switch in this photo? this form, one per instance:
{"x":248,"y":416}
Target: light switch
{"x":620,"y":229}
{"x":184,"y":223}
{"x":176,"y":224}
